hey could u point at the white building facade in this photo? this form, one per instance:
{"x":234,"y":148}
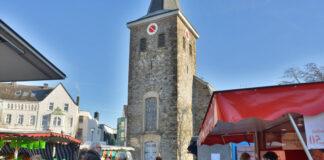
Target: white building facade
{"x":88,"y":130}
{"x":108,"y":134}
{"x":33,"y":108}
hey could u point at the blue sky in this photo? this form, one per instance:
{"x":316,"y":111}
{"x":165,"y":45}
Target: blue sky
{"x":243,"y":43}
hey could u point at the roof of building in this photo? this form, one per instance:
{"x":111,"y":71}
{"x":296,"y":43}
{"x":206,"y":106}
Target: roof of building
{"x":159,"y":5}
{"x":161,"y":9}
{"x":12,"y":91}
{"x":49,"y":136}
{"x":209,"y":86}
{"x":22,"y":62}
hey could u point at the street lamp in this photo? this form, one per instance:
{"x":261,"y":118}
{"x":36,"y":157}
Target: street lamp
{"x":92,"y":130}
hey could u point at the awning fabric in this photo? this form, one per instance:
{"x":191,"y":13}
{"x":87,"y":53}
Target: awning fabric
{"x":41,"y":135}
{"x":242,"y":111}
{"x":68,"y":152}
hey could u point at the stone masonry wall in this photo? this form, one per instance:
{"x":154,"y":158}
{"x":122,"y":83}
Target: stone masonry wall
{"x":159,"y":81}
{"x":186,"y":71}
{"x":167,"y":74}
{"x":202,"y":93}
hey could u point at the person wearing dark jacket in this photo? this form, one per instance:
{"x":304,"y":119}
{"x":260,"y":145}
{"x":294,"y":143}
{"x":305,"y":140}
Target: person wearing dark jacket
{"x":94,"y":152}
{"x":158,"y":157}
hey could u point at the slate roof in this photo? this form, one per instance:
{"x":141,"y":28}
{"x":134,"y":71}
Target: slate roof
{"x":158,"y":5}
{"x":23,"y":92}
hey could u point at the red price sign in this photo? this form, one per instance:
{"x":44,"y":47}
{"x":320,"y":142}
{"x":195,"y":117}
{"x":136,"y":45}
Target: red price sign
{"x":314,"y":129}
{"x":152,"y":28}
{"x":315,"y":139}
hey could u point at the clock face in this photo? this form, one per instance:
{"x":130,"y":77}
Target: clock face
{"x":187,"y":35}
{"x":152,"y":28}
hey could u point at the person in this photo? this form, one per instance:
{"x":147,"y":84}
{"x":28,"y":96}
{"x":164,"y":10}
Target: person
{"x":82,"y":155}
{"x":245,"y":156}
{"x":317,"y":154}
{"x":94,"y":152}
{"x":158,"y":157}
{"x":270,"y":156}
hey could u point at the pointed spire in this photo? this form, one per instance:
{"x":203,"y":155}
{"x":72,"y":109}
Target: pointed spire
{"x":160,"y":5}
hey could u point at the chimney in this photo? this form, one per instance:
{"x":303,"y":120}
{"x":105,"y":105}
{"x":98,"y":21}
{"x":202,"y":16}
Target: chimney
{"x":96,"y":116}
{"x":77,"y":100}
{"x":45,"y":86}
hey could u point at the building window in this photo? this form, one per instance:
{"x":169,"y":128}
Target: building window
{"x":57,"y":121}
{"x":150,"y":114}
{"x":25,"y":94}
{"x":18,"y":93}
{"x":51,"y":106}
{"x":143,"y":45}
{"x":8,"y":106}
{"x":66,"y":107}
{"x":8,"y":119}
{"x":12,"y":106}
{"x":79,"y":134}
{"x":32,"y":120}
{"x":71,"y":122}
{"x":184,"y":43}
{"x":161,"y":42}
{"x":45,"y":120}
{"x":20,"y":119}
{"x":190,"y":49}
{"x":81,"y":119}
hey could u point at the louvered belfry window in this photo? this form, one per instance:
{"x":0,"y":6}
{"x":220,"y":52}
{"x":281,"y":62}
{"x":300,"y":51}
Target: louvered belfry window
{"x":143,"y":45}
{"x":161,"y":42}
{"x":150,"y":114}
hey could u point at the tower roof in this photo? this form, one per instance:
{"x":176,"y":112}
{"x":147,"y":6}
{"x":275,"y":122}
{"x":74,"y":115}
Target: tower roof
{"x":163,"y":5}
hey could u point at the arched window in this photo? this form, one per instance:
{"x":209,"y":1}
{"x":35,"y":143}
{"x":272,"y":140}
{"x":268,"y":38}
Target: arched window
{"x":143,"y":45}
{"x":151,"y":114}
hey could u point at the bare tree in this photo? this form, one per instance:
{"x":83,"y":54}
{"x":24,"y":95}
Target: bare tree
{"x":310,"y":73}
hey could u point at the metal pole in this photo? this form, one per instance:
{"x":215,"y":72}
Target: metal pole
{"x":16,"y":152}
{"x":256,"y":145}
{"x":300,"y":137}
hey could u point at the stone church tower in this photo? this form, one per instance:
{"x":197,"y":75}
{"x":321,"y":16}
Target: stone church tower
{"x":162,"y":67}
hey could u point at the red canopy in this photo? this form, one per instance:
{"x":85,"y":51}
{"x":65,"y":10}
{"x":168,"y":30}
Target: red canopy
{"x":40,"y":135}
{"x":247,"y":110}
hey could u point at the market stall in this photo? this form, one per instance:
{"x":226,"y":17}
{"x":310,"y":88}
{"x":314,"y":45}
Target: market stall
{"x":50,"y":145}
{"x":273,"y":118}
{"x":109,"y":151}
